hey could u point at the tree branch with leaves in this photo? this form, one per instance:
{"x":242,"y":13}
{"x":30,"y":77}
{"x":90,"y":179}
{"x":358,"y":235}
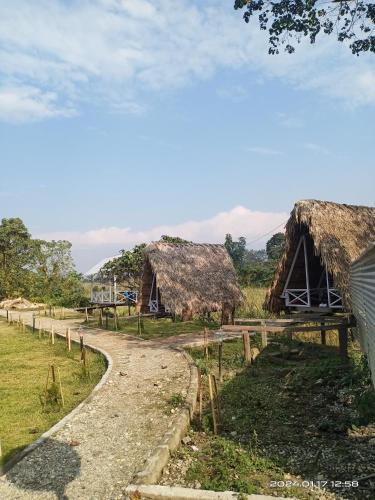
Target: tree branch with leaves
{"x":288,"y":21}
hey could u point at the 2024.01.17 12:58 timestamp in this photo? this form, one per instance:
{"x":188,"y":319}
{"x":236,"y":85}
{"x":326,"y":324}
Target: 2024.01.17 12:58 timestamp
{"x":314,"y":484}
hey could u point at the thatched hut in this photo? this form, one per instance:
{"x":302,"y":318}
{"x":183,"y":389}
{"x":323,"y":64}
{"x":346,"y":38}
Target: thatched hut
{"x":187,"y":278}
{"x":322,"y":239}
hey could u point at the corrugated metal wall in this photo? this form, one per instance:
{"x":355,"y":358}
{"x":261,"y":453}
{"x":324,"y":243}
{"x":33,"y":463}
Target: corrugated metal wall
{"x":363,"y":301}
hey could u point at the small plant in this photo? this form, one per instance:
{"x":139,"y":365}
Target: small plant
{"x":176,"y":400}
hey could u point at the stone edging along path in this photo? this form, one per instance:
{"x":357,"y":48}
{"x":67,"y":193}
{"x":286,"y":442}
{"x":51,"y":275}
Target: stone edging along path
{"x":123,"y":432}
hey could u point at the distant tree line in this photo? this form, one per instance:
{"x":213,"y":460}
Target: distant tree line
{"x":41,"y":271}
{"x":255,"y":267}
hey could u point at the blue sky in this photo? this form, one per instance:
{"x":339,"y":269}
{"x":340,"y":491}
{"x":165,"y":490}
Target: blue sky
{"x":122,"y":120}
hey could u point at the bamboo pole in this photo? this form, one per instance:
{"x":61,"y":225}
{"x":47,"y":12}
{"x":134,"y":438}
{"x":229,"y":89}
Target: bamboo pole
{"x":206,"y":343}
{"x":200,"y":395}
{"x":60,"y":386}
{"x":115,"y":317}
{"x":343,"y":343}
{"x":264,"y":337}
{"x":68,"y":339}
{"x":216,"y":398}
{"x":213,"y":411}
{"x":323,"y":335}
{"x":220,"y":361}
{"x":246,"y":346}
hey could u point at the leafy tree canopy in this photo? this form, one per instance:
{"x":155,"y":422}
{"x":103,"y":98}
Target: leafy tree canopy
{"x":275,"y":246}
{"x":288,"y":21}
{"x":39,"y":270}
{"x":255,"y":267}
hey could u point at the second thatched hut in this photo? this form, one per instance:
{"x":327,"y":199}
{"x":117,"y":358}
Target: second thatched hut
{"x":322,"y":240}
{"x":188,"y":278}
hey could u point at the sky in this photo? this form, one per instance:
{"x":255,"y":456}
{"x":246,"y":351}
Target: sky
{"x":122,"y":120}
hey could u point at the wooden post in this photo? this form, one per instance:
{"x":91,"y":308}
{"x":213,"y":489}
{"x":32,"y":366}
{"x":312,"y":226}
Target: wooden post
{"x":200,"y":393}
{"x":50,"y":310}
{"x":53,"y":373}
{"x":220,"y":360}
{"x":60,"y":387}
{"x":106,"y":320}
{"x":323,"y":334}
{"x":33,"y":323}
{"x":264,"y":338}
{"x":52,"y":335}
{"x":68,"y":339}
{"x":343,"y":343}
{"x":23,"y":326}
{"x":217,"y":401}
{"x":246,"y":346}
{"x":213,"y":411}
{"x":138,"y":324}
{"x":87,"y":315}
{"x":115,"y":316}
{"x":7,"y":315}
{"x":100,"y":316}
{"x":40,"y":329}
{"x":206,"y":343}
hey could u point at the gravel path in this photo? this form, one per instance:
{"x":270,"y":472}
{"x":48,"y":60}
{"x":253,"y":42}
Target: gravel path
{"x":97,"y":452}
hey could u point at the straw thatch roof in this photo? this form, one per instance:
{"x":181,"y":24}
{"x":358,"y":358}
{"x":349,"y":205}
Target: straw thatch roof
{"x":339,"y":234}
{"x":194,"y":277}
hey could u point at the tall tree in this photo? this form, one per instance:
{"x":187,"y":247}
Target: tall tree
{"x":275,"y":246}
{"x":16,"y":257}
{"x":237,"y":250}
{"x":287,"y":21}
{"x":127,"y":268}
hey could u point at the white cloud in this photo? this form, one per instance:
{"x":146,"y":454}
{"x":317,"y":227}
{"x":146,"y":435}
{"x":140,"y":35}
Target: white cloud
{"x":239,"y":221}
{"x":264,"y":151}
{"x":23,"y":103}
{"x":111,"y":51}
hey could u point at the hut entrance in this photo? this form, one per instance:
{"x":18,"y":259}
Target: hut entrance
{"x":153,"y":302}
{"x":309,"y":284}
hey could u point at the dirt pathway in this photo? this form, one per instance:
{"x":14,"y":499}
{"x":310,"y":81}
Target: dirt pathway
{"x":96,"y":453}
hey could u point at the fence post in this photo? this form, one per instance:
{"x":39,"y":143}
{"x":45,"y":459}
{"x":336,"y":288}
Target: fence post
{"x":343,"y":343}
{"x":220,"y":360}
{"x":246,"y":346}
{"x":323,"y":334}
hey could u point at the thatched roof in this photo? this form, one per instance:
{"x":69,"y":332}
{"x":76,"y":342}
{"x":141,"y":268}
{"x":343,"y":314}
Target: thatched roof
{"x":339,"y":233}
{"x":197,"y":277}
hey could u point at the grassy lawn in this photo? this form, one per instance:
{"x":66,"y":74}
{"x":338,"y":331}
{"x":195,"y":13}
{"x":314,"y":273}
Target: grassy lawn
{"x":296,"y":413}
{"x":156,"y":328}
{"x":24,"y":362}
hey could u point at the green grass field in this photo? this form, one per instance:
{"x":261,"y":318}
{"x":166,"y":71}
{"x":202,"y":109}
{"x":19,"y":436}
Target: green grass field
{"x":24,"y":362}
{"x":285,"y":416}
